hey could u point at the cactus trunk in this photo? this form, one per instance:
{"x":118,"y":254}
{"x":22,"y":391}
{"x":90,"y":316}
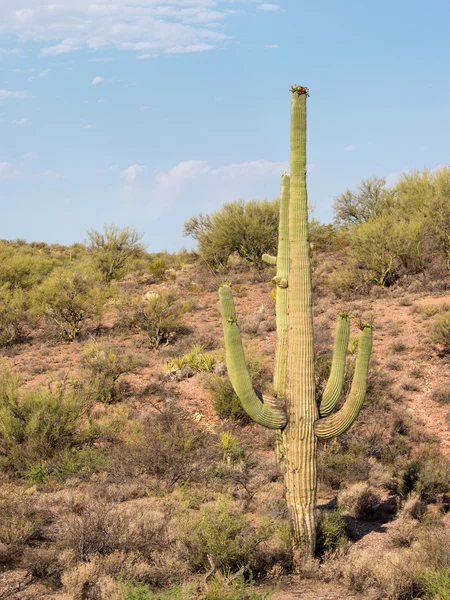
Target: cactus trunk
{"x":299,"y":439}
{"x":300,"y":417}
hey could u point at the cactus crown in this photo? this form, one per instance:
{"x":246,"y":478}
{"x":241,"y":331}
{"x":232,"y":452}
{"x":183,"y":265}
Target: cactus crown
{"x":365,"y":325}
{"x":300,"y":90}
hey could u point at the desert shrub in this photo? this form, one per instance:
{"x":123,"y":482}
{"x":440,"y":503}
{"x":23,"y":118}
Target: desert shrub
{"x":224,"y":399}
{"x":67,"y":298}
{"x":158,"y":268}
{"x":13,"y":314}
{"x":158,"y":316}
{"x":441,"y":395}
{"x":339,"y":463}
{"x":367,"y":202}
{"x":384,"y":245}
{"x":330,"y":532}
{"x":44,"y":430}
{"x":141,"y":591}
{"x":220,"y":536}
{"x":105,"y":365}
{"x":19,"y":521}
{"x":113,"y":250}
{"x":167,"y":446}
{"x":403,"y":532}
{"x":428,"y":475}
{"x":391,"y":574}
{"x":22,"y":266}
{"x":248,"y":229}
{"x":100,"y":528}
{"x":440,"y":331}
{"x":358,"y":500}
{"x":436,"y":584}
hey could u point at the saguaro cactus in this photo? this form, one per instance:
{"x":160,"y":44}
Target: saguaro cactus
{"x":300,"y":417}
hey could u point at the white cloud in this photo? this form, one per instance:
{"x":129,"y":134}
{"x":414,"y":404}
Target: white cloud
{"x":130,"y":173}
{"x":44,"y":73}
{"x":272,"y":46}
{"x":88,"y":126}
{"x":97,"y":80}
{"x":146,"y":56}
{"x":236,"y":180}
{"x":9,"y":51}
{"x":64,"y":26}
{"x":144,"y":108}
{"x":7,"y":171}
{"x":67,"y":45}
{"x":20,"y":122}
{"x":29,"y":155}
{"x":350,"y":148}
{"x":100,"y":101}
{"x":108,"y":169}
{"x":100,"y":60}
{"x":14,"y":95}
{"x":269,"y":7}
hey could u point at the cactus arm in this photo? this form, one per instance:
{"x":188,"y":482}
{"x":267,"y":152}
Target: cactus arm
{"x":338,"y":423}
{"x":268,"y":259}
{"x":335,"y":381}
{"x":266,"y":413}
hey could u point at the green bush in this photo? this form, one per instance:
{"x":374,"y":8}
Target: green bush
{"x":225,"y":401}
{"x":331,"y":533}
{"x":43,"y":431}
{"x":105,"y":365}
{"x":158,"y":316}
{"x":67,"y":298}
{"x":113,"y":250}
{"x":141,"y":591}
{"x":440,"y":331}
{"x":436,"y":584}
{"x":221,"y":536}
{"x":428,"y":475}
{"x":248,"y":229}
{"x":23,"y":266}
{"x":13,"y":315}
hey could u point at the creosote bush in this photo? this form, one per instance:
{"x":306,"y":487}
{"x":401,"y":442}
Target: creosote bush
{"x":45,"y":431}
{"x":220,"y":538}
{"x":67,"y":298}
{"x":105,"y":365}
{"x":158,"y":316}
{"x":13,"y":314}
{"x":248,"y":229}
{"x":113,"y":250}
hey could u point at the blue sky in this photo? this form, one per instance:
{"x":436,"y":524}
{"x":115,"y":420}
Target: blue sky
{"x":146,"y":112}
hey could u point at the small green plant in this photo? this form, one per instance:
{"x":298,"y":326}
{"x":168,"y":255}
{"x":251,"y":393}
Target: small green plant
{"x":141,"y":591}
{"x":105,"y":365}
{"x":231,"y":448}
{"x":195,"y":359}
{"x":225,"y":401}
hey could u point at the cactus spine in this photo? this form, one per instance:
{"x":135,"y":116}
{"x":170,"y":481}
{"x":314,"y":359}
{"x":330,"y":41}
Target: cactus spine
{"x":299,"y":417}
